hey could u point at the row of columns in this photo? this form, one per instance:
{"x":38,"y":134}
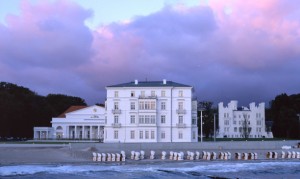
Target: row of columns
{"x":85,"y":132}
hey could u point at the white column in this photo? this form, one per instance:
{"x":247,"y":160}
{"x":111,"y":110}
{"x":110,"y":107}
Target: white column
{"x":40,"y":135}
{"x":91,"y":132}
{"x":75,"y":132}
{"x":83,"y":133}
{"x":98,"y":133}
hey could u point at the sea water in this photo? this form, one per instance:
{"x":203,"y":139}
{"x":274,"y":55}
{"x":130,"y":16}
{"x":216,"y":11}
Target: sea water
{"x":211,"y":169}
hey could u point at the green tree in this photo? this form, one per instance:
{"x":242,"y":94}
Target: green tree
{"x":207,"y":117}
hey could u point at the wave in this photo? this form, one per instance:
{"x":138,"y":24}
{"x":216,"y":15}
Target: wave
{"x":187,"y":168}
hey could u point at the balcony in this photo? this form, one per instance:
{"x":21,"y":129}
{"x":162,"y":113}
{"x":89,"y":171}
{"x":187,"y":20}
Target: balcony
{"x":181,"y":111}
{"x":116,"y":125}
{"x":147,"y":97}
{"x":180,"y":125}
{"x":116,"y":111}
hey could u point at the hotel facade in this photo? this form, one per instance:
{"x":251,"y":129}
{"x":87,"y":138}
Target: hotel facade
{"x":242,"y":122}
{"x":148,"y":111}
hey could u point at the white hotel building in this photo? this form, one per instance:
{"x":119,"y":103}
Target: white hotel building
{"x":148,"y":111}
{"x":241,"y":122}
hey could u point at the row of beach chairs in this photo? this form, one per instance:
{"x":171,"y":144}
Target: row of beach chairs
{"x":284,"y":155}
{"x":246,"y":156}
{"x":109,"y":157}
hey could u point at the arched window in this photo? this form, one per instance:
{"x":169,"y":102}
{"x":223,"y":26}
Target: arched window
{"x":59,"y":128}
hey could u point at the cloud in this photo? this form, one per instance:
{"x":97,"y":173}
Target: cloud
{"x":243,"y":50}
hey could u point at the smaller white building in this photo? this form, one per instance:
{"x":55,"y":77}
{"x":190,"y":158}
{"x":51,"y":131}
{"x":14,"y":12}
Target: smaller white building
{"x":242,"y":122}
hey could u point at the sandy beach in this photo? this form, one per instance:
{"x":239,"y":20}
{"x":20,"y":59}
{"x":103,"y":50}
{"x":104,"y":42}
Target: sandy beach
{"x":11,"y":154}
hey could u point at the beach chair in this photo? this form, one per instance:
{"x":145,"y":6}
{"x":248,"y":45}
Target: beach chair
{"x":269,"y":155}
{"x":293,"y":154}
{"x":142,"y":154}
{"x":108,"y":157}
{"x":163,"y":155}
{"x":175,"y":156}
{"x":208,"y":156}
{"x":171,"y":155}
{"x":225,"y":156}
{"x":99,"y":157}
{"x":188,"y":154}
{"x":283,"y":154}
{"x":123,"y":156}
{"x":229,"y":155}
{"x":94,"y":156}
{"x":289,"y":154}
{"x":197,"y":157}
{"x":103,"y":157}
{"x":245,"y":156}
{"x":238,"y":156}
{"x":118,"y":157}
{"x":137,"y":155}
{"x":152,"y":153}
{"x":113,"y":157}
{"x":297,"y":154}
{"x":221,"y":155}
{"x":255,"y":156}
{"x":214,"y":156}
{"x":180,"y":156}
{"x":132,"y":155}
{"x":275,"y":155}
{"x":204,"y":155}
{"x":192,"y":154}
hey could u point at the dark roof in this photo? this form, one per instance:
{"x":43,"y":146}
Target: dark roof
{"x":150,"y":84}
{"x":71,"y":109}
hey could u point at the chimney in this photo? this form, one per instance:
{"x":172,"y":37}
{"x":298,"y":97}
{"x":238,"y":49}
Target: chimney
{"x":136,"y":82}
{"x":164,"y":81}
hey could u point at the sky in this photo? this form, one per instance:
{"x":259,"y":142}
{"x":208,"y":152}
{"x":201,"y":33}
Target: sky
{"x":245,"y":50}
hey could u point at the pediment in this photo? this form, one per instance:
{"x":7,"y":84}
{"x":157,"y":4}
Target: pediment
{"x":90,"y":110}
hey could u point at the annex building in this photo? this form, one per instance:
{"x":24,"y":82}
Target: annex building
{"x":147,"y":111}
{"x":242,"y":122}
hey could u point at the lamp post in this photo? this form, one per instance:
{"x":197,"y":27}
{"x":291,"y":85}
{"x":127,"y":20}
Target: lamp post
{"x":214,"y":127}
{"x":201,"y":125}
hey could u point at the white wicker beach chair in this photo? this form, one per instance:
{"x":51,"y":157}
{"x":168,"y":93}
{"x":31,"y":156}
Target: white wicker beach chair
{"x":221,"y":155}
{"x":152,"y":154}
{"x":192,"y":154}
{"x":214,"y":156}
{"x":163,"y":155}
{"x":118,"y":157}
{"x":293,"y":154}
{"x":289,"y":154}
{"x":103,"y":157}
{"x":197,"y":157}
{"x":113,"y":157}
{"x":108,"y":157}
{"x":123,"y":156}
{"x":181,"y":155}
{"x":137,"y":155}
{"x":99,"y":157}
{"x":208,"y":156}
{"x":229,"y":155}
{"x":94,"y":156}
{"x":204,"y":155}
{"x":132,"y":155}
{"x":238,"y":156}
{"x":175,"y":156}
{"x":142,"y":154}
{"x":283,"y":154}
{"x":225,"y":156}
{"x":297,"y":154}
{"x":171,"y":155}
{"x":188,"y":154}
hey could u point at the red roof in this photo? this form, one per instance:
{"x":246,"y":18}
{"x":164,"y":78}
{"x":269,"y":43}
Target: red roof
{"x":71,"y":109}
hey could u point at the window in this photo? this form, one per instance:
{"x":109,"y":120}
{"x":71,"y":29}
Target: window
{"x":152,"y":135}
{"x":132,"y":94}
{"x":132,"y":119}
{"x":132,"y":105}
{"x":116,"y":134}
{"x":147,"y":105}
{"x":132,"y":135}
{"x":116,"y":119}
{"x":180,"y":135}
{"x":152,"y":119}
{"x":141,"y":105}
{"x":116,"y":105}
{"x":146,"y":134}
{"x":152,"y":93}
{"x":163,"y":93}
{"x":143,"y":93}
{"x":163,"y":134}
{"x":235,"y":129}
{"x":147,"y":119}
{"x":152,"y":105}
{"x":194,"y":120}
{"x":141,"y":135}
{"x":163,"y":105}
{"x":194,"y":135}
{"x":240,"y":129}
{"x":234,"y":122}
{"x":163,"y":119}
{"x":180,"y":119}
{"x":141,"y":119}
{"x":116,"y":94}
{"x":180,"y":105}
{"x":180,"y":93}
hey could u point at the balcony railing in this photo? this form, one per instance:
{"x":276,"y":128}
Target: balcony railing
{"x":180,"y":125}
{"x":116,"y":125}
{"x":181,"y":111}
{"x":116,"y":111}
{"x":147,"y":97}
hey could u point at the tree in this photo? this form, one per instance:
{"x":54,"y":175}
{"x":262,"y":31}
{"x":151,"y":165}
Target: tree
{"x":208,"y":117}
{"x":245,"y":127}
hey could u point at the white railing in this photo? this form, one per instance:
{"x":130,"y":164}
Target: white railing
{"x":116,"y":111}
{"x":180,"y":125}
{"x":181,"y":111}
